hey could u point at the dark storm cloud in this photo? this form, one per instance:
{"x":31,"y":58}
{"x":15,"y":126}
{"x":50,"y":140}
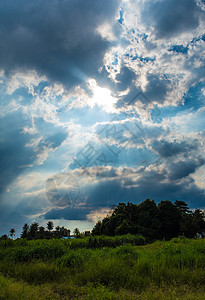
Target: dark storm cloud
{"x":125,"y":78}
{"x":14,"y":215}
{"x":168,"y":149}
{"x":157,"y":87}
{"x":22,"y":210}
{"x":109,"y":193}
{"x":68,"y":213}
{"x":15,"y":155}
{"x":152,"y":184}
{"x":105,"y":194}
{"x":56,"y":38}
{"x":155,"y":187}
{"x":183,"y":169}
{"x":101,"y":195}
{"x":172,"y":17}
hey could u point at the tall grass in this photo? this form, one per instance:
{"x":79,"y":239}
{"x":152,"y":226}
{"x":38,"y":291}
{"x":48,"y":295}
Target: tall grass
{"x":63,"y":269}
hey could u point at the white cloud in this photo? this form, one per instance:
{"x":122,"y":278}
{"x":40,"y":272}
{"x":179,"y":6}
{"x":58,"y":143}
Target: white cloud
{"x":27,"y":80}
{"x":188,"y":121}
{"x":98,"y":215}
{"x":11,"y":107}
{"x":199,"y":177}
{"x":105,"y":30}
{"x":102,"y":97}
{"x":146,"y":55}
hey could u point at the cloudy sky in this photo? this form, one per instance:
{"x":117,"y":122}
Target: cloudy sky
{"x":102,"y":101}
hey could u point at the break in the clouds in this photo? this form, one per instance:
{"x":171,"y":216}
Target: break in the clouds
{"x":101,"y":102}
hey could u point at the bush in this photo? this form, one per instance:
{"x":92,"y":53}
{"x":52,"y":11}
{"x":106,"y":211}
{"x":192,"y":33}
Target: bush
{"x":107,"y":241}
{"x":42,"y":252}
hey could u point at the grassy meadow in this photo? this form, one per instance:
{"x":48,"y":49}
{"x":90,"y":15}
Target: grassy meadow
{"x":120,"y":267}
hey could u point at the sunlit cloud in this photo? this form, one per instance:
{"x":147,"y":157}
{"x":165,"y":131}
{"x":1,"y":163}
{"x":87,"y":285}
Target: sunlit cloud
{"x":102,"y":97}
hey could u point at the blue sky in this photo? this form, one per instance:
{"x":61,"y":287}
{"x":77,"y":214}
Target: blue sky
{"x":101,"y":102}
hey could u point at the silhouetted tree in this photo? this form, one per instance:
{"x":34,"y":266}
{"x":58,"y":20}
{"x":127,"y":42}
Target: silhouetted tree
{"x":109,"y":224}
{"x":188,"y":227}
{"x":97,"y":228}
{"x":131,"y":218}
{"x":199,"y":220}
{"x":167,"y":220}
{"x":169,"y":217}
{"x":58,"y":228}
{"x":186,"y":224}
{"x":42,"y":232}
{"x":148,"y":221}
{"x":121,"y":220}
{"x":33,"y":230}
{"x":192,"y":222}
{"x":58,"y":232}
{"x":182,"y":207}
{"x":25,"y":230}
{"x":4,"y":237}
{"x":76,"y":232}
{"x":12,"y":232}
{"x":64,"y":232}
{"x":50,"y":226}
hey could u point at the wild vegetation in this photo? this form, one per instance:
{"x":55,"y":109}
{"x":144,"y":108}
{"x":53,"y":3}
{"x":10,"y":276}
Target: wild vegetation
{"x":126,"y":257}
{"x":84,"y":269}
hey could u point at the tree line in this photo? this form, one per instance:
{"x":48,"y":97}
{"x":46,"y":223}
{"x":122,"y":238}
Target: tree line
{"x":163,"y":221}
{"x":35,"y":231}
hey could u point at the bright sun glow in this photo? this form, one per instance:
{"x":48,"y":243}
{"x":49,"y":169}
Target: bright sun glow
{"x":102,"y":97}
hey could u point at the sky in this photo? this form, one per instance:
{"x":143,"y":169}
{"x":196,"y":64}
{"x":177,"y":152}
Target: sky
{"x":102,"y":101}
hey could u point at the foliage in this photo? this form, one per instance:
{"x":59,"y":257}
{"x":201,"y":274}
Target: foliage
{"x":57,"y":270}
{"x":163,"y":221}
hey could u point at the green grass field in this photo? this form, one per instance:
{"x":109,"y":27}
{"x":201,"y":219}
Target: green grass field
{"x":102,"y":268}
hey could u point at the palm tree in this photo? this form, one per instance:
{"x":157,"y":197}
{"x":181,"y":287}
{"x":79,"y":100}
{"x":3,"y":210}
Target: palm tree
{"x":12,"y":232}
{"x":33,"y":230}
{"x":65,"y":232}
{"x":24,"y":233}
{"x":50,"y":225}
{"x":42,"y":231}
{"x":58,"y":228}
{"x":76,"y":232}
